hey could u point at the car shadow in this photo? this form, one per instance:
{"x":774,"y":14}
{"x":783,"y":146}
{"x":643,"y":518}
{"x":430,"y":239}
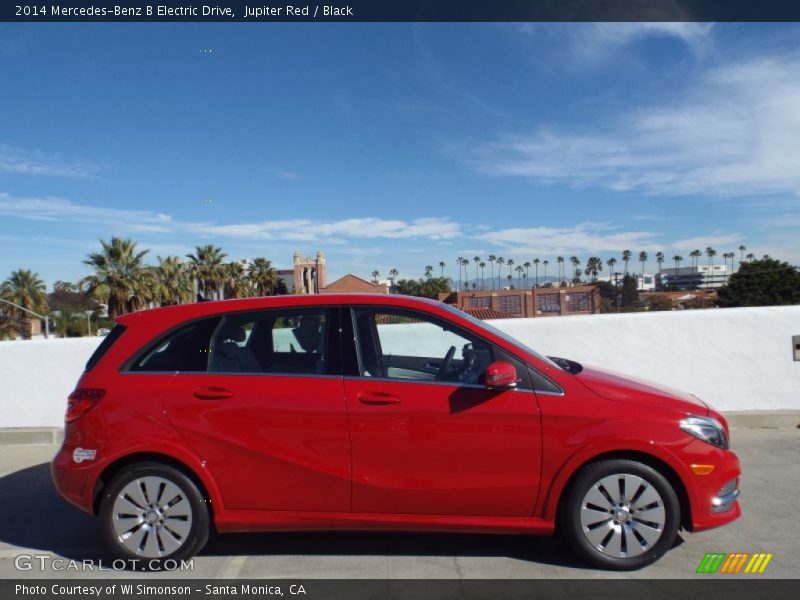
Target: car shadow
{"x":43,"y":522}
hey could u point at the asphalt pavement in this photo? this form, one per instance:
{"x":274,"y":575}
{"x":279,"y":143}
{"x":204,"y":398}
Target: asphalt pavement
{"x":37,"y":523}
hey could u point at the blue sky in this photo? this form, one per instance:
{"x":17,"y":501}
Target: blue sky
{"x":397,"y":145}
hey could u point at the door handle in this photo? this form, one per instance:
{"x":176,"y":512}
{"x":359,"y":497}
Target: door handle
{"x":377,"y":398}
{"x":210,"y":392}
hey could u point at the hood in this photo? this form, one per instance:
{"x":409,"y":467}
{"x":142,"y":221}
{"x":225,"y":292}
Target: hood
{"x":613,"y":386}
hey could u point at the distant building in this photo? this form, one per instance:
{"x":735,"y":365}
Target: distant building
{"x":694,"y":278}
{"x":534,"y":302}
{"x":309,"y":274}
{"x":649,"y":284}
{"x":353,"y":283}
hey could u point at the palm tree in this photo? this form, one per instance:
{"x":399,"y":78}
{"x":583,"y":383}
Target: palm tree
{"x":611,"y":262}
{"x":678,"y":259}
{"x":711,"y":253}
{"x":593,"y":266}
{"x":545,"y":263}
{"x":643,"y":260}
{"x":626,"y":256}
{"x":172,"y":282}
{"x":500,"y":262}
{"x":393,"y":273}
{"x":206,"y":266}
{"x":460,"y":261}
{"x":742,"y":248}
{"x":519,"y":271}
{"x":695,"y":254}
{"x":492,"y":258}
{"x":509,"y":280}
{"x":263,"y":277}
{"x":442,"y":265}
{"x":750,"y":257}
{"x":482,"y":265}
{"x":576,"y":266}
{"x":476,"y":261}
{"x":376,"y":276}
{"x":466,"y":274}
{"x":536,"y":263}
{"x":23,"y":288}
{"x":560,"y":261}
{"x":659,"y":260}
{"x":235,"y":282}
{"x":510,"y":264}
{"x":120,"y":279}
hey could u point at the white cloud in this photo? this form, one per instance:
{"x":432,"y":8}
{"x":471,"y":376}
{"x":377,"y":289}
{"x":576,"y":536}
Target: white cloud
{"x":25,"y":162}
{"x":595,"y":41}
{"x":59,"y":209}
{"x":734,"y":132}
{"x":585,"y":238}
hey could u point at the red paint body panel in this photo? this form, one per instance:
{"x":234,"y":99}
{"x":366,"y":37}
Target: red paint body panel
{"x":305,"y":452}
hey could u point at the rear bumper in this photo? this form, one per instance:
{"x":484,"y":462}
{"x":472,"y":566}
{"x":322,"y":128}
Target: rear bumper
{"x":70,"y":478}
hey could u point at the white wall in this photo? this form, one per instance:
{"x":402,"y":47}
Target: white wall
{"x":733,"y":358}
{"x":36,"y":376}
{"x":736,"y":359}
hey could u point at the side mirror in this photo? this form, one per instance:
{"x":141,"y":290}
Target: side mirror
{"x":501,"y":376}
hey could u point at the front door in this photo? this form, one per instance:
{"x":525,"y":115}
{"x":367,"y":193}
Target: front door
{"x":268,"y":413}
{"x":427,"y":437}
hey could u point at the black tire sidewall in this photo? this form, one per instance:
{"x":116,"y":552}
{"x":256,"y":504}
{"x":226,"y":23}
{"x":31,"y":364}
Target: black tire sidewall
{"x":198,"y":535}
{"x":569,"y":513}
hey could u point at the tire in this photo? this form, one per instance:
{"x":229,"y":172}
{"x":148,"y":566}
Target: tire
{"x":153,"y":513}
{"x":620,"y":514}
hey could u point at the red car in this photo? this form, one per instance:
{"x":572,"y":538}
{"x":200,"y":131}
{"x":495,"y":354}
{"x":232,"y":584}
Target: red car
{"x":376,"y":412}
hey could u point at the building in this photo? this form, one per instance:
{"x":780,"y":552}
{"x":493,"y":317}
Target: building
{"x":309,"y":274}
{"x":649,"y":285}
{"x":694,"y":278}
{"x":354,"y":284}
{"x":535,"y":302}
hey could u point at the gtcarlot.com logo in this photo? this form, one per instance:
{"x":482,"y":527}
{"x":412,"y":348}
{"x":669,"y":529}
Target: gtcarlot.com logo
{"x":734,"y":563}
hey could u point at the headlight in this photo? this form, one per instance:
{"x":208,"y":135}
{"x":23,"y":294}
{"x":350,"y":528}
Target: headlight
{"x":706,"y":429}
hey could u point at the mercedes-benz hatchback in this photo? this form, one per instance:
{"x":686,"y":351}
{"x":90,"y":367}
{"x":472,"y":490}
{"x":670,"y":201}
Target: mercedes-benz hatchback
{"x":344,"y":412}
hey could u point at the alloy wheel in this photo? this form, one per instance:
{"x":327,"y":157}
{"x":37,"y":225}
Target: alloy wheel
{"x":622,"y":515}
{"x":152,"y":517}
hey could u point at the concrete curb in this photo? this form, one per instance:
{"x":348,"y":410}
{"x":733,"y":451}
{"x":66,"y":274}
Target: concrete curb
{"x":753,"y":419}
{"x":31,"y":436}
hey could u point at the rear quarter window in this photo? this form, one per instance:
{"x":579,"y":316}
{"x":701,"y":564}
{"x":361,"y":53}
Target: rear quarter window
{"x":184,"y":349}
{"x":105,"y":345}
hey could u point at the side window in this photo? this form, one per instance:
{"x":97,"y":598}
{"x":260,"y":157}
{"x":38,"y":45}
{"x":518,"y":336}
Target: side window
{"x":186,"y":349}
{"x":279,"y":342}
{"x":410,"y":345}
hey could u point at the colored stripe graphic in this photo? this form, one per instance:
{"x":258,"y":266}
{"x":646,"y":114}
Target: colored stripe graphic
{"x":711,"y":562}
{"x":734,"y":563}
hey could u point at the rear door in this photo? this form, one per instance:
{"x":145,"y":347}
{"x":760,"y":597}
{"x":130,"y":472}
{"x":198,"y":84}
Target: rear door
{"x":268,"y":413}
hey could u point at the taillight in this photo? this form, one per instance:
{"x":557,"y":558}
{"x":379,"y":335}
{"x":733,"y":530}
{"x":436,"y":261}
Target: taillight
{"x":81,"y":401}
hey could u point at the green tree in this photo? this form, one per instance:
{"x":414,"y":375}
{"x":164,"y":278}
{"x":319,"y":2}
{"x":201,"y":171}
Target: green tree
{"x":206,"y":267}
{"x":172,"y":282}
{"x":120,"y":279}
{"x":643,"y":260}
{"x":235,"y":282}
{"x":23,"y":288}
{"x":630,"y":295}
{"x":765,"y":282}
{"x":264,"y":277}
{"x":626,"y":257}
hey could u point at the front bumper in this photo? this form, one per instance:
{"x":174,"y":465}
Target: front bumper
{"x":715,"y":498}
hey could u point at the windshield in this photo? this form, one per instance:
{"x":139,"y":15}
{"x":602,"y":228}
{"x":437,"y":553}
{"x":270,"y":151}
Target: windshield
{"x":501,"y":334}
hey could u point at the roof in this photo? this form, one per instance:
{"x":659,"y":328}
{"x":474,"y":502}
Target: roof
{"x":211,"y":307}
{"x":485,"y":314}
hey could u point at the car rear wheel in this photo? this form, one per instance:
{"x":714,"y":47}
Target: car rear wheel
{"x":620,"y":514}
{"x":151,"y":512}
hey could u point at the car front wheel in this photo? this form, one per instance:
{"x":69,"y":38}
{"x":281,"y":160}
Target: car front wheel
{"x":151,"y":512}
{"x":620,"y":514}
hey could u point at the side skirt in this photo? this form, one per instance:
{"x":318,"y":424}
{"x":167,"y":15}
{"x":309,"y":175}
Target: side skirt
{"x":230,"y":521}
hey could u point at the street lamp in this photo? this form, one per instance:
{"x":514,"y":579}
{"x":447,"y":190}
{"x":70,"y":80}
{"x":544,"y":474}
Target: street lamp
{"x":35,"y":314}
{"x":89,"y":320}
